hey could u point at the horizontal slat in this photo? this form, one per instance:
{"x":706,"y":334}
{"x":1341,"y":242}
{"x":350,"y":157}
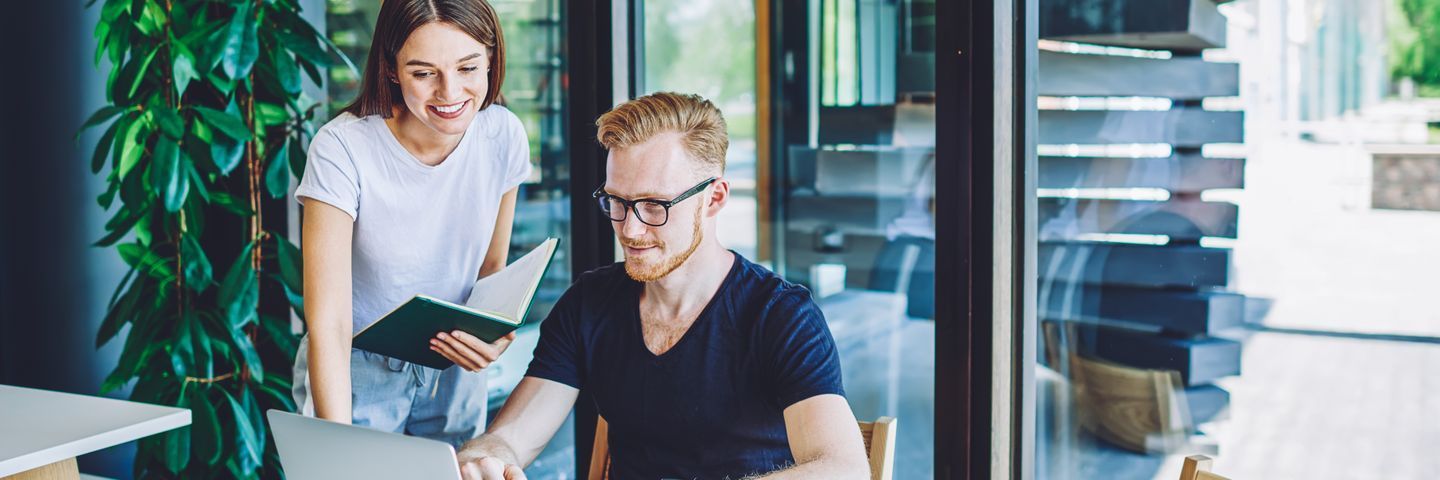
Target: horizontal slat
{"x":1199,"y":360}
{"x":1194,"y":313}
{"x":1186,"y":173}
{"x":1181,"y":127}
{"x":1186,"y":219}
{"x":1207,"y":403}
{"x":1184,"y":78}
{"x":1098,"y":263}
{"x":854,"y":213}
{"x":1184,"y":25}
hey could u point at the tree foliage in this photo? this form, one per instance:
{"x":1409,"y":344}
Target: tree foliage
{"x":205,"y":115}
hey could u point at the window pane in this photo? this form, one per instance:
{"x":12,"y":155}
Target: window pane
{"x":1236,"y":206}
{"x":534,"y":91}
{"x":853,"y":220}
{"x":707,"y":47}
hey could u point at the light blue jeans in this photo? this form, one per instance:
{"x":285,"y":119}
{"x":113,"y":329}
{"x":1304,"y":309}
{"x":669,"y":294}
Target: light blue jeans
{"x":397,"y":396}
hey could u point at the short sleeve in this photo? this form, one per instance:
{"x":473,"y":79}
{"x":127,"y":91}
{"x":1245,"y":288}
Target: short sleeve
{"x":799,"y":349}
{"x":330,"y":175}
{"x":517,"y":155}
{"x":558,"y":354}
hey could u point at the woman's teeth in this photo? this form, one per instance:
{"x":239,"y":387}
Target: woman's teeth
{"x":449,"y":108}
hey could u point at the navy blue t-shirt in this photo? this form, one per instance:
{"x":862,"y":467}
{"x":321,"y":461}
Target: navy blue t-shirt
{"x":711,"y":406}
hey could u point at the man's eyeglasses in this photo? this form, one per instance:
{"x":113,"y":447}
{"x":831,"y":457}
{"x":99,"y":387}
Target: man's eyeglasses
{"x":649,"y":211}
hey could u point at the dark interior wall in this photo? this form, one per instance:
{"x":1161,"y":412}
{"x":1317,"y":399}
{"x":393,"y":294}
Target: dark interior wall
{"x":53,"y":284}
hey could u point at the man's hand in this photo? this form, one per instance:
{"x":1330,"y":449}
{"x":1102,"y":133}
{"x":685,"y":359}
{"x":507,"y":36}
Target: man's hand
{"x":470,"y":353}
{"x":490,"y":468}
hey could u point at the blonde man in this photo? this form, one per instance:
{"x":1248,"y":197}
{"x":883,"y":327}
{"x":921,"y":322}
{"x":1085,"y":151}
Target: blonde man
{"x":704,"y":364}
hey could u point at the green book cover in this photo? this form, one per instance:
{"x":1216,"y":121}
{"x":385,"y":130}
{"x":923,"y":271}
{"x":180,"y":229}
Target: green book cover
{"x":497,"y":305}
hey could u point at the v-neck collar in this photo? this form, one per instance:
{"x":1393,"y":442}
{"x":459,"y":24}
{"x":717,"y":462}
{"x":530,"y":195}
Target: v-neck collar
{"x":638,"y":331}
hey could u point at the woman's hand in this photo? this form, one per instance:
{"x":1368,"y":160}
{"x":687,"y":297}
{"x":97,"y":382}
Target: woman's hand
{"x":470,"y":353}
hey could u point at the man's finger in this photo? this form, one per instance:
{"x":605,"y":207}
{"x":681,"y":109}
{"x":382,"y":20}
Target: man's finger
{"x":492,"y":468}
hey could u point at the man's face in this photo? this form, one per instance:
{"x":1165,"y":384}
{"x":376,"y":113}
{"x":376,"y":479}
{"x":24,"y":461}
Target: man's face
{"x":657,"y":169}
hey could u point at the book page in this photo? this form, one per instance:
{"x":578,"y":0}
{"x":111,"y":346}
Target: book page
{"x":507,"y":292}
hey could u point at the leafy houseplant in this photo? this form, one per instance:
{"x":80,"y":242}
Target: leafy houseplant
{"x":206,"y":123}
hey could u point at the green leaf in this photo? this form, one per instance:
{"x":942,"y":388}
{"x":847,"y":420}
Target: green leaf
{"x":304,"y":48}
{"x":150,"y":263}
{"x":152,"y":18}
{"x":169,"y":121}
{"x":196,"y":264}
{"x":205,"y":436}
{"x":102,"y":148}
{"x":286,"y":71}
{"x":183,"y":68}
{"x":226,"y":154}
{"x":131,"y":357}
{"x":168,"y":174}
{"x":251,"y":444}
{"x":278,"y":330}
{"x":297,"y":158}
{"x":241,"y":46}
{"x":291,"y":263}
{"x":228,"y":123}
{"x":100,"y":116}
{"x":277,"y":177}
{"x":121,"y":310}
{"x":121,"y":224}
{"x":271,"y":114}
{"x":233,"y":205}
{"x":131,"y":146}
{"x":181,"y":354}
{"x":239,"y":291}
{"x":177,"y":449}
{"x":137,"y":76}
{"x":242,"y":343}
{"x":194,"y":175}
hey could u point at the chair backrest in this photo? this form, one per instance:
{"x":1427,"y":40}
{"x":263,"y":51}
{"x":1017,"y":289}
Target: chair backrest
{"x":879,"y":439}
{"x":1197,"y":467}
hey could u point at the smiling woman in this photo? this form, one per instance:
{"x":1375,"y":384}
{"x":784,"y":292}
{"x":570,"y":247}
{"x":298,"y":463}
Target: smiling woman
{"x":411,"y":190}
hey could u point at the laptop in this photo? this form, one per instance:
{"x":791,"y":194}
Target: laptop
{"x":312,"y":448}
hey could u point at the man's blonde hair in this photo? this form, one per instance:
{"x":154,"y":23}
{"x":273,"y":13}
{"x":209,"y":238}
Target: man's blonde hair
{"x":699,"y":123}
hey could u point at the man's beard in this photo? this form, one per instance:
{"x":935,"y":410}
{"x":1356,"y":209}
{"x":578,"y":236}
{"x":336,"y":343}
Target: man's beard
{"x":654,"y":271}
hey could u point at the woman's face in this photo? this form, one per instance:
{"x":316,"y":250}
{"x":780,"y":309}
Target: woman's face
{"x":444,"y":76}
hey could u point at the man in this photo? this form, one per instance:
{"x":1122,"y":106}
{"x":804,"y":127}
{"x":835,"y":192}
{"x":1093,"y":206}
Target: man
{"x":704,"y":364}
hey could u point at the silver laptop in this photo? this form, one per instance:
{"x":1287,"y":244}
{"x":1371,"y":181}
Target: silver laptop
{"x":311,"y":448}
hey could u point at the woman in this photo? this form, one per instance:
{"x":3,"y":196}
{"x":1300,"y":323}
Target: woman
{"x":410,"y":190}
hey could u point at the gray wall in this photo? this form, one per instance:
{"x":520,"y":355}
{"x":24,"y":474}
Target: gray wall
{"x":53,"y":284}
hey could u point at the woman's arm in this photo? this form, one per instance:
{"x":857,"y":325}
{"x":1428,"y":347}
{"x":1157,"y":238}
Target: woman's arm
{"x":326,"y":239}
{"x":500,"y":242}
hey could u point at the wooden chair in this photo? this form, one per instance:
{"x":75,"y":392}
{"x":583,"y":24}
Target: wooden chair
{"x":1197,"y":467}
{"x":879,"y":439}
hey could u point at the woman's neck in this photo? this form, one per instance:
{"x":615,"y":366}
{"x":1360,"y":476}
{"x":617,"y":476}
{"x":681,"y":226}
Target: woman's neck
{"x":427,"y":145}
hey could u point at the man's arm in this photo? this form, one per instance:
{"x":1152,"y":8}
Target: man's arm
{"x":529,"y":419}
{"x":824,"y":439}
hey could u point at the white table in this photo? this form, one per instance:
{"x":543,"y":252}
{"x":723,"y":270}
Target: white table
{"x":41,"y":432}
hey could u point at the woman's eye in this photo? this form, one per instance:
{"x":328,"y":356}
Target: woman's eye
{"x":469,"y":69}
{"x":422,"y":74}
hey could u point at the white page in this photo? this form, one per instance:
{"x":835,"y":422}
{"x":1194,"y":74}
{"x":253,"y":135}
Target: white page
{"x":508,"y":291}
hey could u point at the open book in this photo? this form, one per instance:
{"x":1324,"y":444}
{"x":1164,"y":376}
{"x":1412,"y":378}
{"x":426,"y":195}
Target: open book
{"x":496,"y":306}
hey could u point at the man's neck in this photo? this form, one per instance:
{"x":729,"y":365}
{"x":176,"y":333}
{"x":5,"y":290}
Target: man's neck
{"x":693,"y":284}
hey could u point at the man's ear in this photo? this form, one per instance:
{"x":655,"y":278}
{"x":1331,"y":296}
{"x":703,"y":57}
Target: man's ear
{"x":718,"y":197}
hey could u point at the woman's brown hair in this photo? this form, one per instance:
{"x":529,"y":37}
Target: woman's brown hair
{"x":397,"y":20}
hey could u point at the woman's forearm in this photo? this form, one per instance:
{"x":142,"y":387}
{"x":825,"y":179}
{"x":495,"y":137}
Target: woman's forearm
{"x":329,"y":361}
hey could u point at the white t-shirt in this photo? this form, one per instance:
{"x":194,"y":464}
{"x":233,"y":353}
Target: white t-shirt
{"x":419,"y":229}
